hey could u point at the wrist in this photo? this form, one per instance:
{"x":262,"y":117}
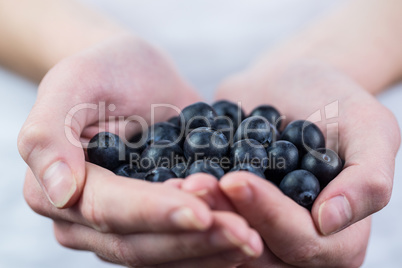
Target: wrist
{"x":79,"y":38}
{"x":41,"y":33}
{"x":361,"y":39}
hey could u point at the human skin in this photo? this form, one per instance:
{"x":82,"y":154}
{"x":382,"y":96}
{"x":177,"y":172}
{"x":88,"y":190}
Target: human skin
{"x":127,"y":73}
{"x":336,"y":232}
{"x":89,"y":66}
{"x":317,"y":59}
{"x":324,"y":65}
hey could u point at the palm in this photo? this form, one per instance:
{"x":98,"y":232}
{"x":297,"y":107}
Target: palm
{"x":305,"y":92}
{"x":127,"y":76}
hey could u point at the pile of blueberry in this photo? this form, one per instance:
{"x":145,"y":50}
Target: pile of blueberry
{"x":219,"y":139}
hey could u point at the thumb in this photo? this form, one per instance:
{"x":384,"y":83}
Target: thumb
{"x":46,"y":143}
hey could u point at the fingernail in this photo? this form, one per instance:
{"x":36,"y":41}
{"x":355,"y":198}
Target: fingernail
{"x":186,"y":219}
{"x":206,"y":196}
{"x":201,"y":193}
{"x":59,"y":184}
{"x":255,"y":244}
{"x":245,"y":248}
{"x":239,"y":190}
{"x":334,"y":215}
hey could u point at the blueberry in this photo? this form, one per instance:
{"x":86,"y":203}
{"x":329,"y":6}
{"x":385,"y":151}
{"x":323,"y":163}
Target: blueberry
{"x":175,"y":120}
{"x":206,"y":166}
{"x":137,"y":144}
{"x":250,"y":152}
{"x":283,"y":158}
{"x":205,"y":143}
{"x":257,"y":128}
{"x":249,"y":168}
{"x":159,"y":174}
{"x":302,"y":186}
{"x":325,"y":164}
{"x":139,"y":175}
{"x":160,"y":154}
{"x":164,"y":131}
{"x":128,"y":172}
{"x":125,"y":170}
{"x":106,"y":149}
{"x":180,"y":170}
{"x":198,"y":115}
{"x":276,"y":134}
{"x":226,"y":128}
{"x":270,"y":113}
{"x":227,"y":110}
{"x":305,"y":135}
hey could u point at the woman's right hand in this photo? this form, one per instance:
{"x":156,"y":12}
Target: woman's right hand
{"x":140,"y":224}
{"x":125,"y":221}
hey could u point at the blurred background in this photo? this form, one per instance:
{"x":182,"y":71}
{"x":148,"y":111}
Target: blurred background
{"x":208,"y":40}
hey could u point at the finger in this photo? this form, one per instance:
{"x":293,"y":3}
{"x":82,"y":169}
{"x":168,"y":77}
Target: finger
{"x":287,"y":228}
{"x":176,"y":183}
{"x":228,"y":259}
{"x":49,"y":141}
{"x":365,"y":184}
{"x":228,"y":232}
{"x":51,"y":147}
{"x":111,"y":203}
{"x":206,"y":187}
{"x":267,"y":259}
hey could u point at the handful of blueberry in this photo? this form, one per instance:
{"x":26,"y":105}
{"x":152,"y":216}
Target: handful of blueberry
{"x":219,"y":139}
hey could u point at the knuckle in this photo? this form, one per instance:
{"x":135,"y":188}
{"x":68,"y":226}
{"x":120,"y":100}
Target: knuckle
{"x":32,"y":137}
{"x":380,"y":189}
{"x":126,"y":255}
{"x":93,"y":215}
{"x":303,"y":256}
{"x":119,"y":251}
{"x":62,"y":235}
{"x":35,"y":198}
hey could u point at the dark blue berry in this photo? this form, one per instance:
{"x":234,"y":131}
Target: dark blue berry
{"x":137,"y":144}
{"x":227,"y":129}
{"x":249,"y":168}
{"x":227,"y":110}
{"x":250,"y":152}
{"x":325,"y":164}
{"x":125,"y":170}
{"x":302,"y":186}
{"x":257,"y":128}
{"x":180,"y":170}
{"x":164,"y":131}
{"x":159,"y":174}
{"x":175,"y":120}
{"x":139,"y":175}
{"x":206,"y":166}
{"x":198,"y":115}
{"x":106,"y":149}
{"x":160,"y":154}
{"x":205,"y":143}
{"x":305,"y":135}
{"x":270,"y":113}
{"x":283,"y":157}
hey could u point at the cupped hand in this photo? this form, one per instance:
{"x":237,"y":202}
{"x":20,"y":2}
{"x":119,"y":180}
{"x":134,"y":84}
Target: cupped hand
{"x":140,"y":224}
{"x":95,"y":90}
{"x":335,"y":233}
{"x":124,"y":221}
